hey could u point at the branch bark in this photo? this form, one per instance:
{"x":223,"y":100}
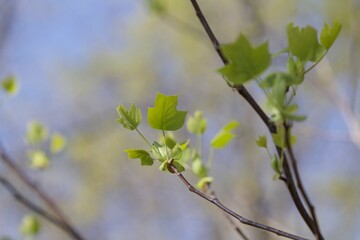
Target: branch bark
{"x":288,"y":179}
{"x":216,"y":202}
{"x":50,"y":203}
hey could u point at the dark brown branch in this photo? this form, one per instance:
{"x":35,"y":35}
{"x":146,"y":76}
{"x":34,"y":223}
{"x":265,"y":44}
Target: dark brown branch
{"x":27,"y":203}
{"x":288,"y":180}
{"x":243,"y":220}
{"x":42,"y":195}
{"x":240,"y":89}
{"x":228,"y":217}
{"x":300,"y":185}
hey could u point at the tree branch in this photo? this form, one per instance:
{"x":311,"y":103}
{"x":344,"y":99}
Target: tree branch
{"x":243,"y":220}
{"x":27,"y":203}
{"x":228,"y":217}
{"x":240,"y":88}
{"x":288,"y":180}
{"x":300,"y":185}
{"x":42,"y":195}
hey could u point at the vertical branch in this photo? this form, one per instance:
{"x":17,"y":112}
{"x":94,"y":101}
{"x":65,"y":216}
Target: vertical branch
{"x":42,"y":195}
{"x":27,"y":203}
{"x":288,"y":179}
{"x":300,"y":185}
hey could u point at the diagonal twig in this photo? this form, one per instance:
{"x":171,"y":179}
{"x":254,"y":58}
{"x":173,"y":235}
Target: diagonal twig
{"x":69,"y":228}
{"x":228,"y":217}
{"x":32,"y":206}
{"x":241,"y":219}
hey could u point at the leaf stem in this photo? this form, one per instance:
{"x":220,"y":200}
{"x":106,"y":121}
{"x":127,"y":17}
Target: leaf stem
{"x":317,"y":62}
{"x":143,"y":137}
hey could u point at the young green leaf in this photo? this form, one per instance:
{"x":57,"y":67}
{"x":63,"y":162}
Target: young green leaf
{"x":275,"y":164}
{"x":156,"y":5}
{"x":225,"y":135}
{"x":57,"y":143}
{"x":196,"y":124}
{"x":130,"y":119}
{"x":39,"y":159}
{"x":199,"y":168}
{"x":143,"y":155}
{"x":201,"y":184}
{"x":329,"y":34}
{"x":279,"y":138}
{"x":164,"y":115}
{"x":30,"y":226}
{"x":246,"y":61}
{"x":262,"y":141}
{"x":36,"y":133}
{"x":10,"y":85}
{"x":303,"y":43}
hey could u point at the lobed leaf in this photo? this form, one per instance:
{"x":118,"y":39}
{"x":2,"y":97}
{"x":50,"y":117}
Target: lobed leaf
{"x":164,"y":115}
{"x":143,"y":155}
{"x":303,"y":43}
{"x":129,"y":119}
{"x":246,"y":61}
{"x":224,"y":136}
{"x":329,"y":34}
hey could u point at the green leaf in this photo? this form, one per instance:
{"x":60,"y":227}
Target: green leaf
{"x":178,"y":166}
{"x":130,"y":119}
{"x":30,"y":226}
{"x":143,"y":155}
{"x":36,"y":132}
{"x":10,"y":85}
{"x":275,"y":164}
{"x":164,"y":115}
{"x":296,"y":68}
{"x":246,"y":61}
{"x":303,"y":43}
{"x":279,"y":138}
{"x":176,"y":153}
{"x":225,"y":135}
{"x":201,"y":184}
{"x":156,"y":6}
{"x":271,"y":79}
{"x":196,"y":124}
{"x":39,"y":159}
{"x":328,"y":34}
{"x":199,"y":168}
{"x":57,"y":143}
{"x":169,"y":140}
{"x":262,"y":141}
{"x":161,"y":152}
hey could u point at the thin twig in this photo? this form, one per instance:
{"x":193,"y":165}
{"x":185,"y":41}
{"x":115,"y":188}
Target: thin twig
{"x":243,"y":220}
{"x":42,"y":195}
{"x":228,"y":217}
{"x":32,"y":206}
{"x":300,"y":184}
{"x":290,"y":184}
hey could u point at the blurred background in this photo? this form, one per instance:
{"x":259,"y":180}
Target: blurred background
{"x":77,"y":60}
